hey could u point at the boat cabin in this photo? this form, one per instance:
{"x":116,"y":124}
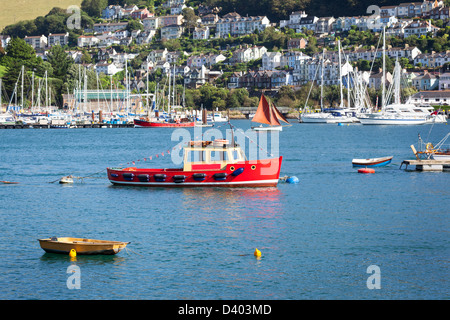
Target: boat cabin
{"x":211,"y":155}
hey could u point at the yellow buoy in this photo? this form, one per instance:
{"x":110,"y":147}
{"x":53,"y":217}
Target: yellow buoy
{"x":72,"y":253}
{"x":257,"y":253}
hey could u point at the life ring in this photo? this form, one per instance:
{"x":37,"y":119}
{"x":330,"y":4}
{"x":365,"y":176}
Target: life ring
{"x":430,"y":147}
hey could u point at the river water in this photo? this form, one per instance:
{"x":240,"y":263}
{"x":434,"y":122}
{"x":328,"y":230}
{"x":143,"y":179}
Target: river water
{"x":320,"y":239}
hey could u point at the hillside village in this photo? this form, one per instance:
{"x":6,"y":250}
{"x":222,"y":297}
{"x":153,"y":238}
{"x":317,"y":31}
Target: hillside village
{"x":137,"y":40}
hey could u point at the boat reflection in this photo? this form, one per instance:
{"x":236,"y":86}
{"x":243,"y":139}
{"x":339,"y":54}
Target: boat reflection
{"x":237,"y":202}
{"x":93,"y":259}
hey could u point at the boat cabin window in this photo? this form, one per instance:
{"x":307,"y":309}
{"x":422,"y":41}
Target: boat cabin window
{"x":196,"y":156}
{"x":219,"y":155}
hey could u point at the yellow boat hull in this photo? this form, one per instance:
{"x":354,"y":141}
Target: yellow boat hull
{"x":82,"y":246}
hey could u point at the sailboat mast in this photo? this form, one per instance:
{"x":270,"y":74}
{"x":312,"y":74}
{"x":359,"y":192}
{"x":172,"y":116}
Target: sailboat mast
{"x":111,"y":97}
{"x":98,"y":94}
{"x":348,"y":86}
{"x":148,"y":106}
{"x":397,"y":82}
{"x":46,"y":90}
{"x":127,"y":85}
{"x":173,"y":88}
{"x":321,"y":83}
{"x":383,"y":79}
{"x":340,"y":72}
{"x":168,"y":96}
{"x":32,"y":90}
{"x":85,"y":91}
{"x":23,"y":71}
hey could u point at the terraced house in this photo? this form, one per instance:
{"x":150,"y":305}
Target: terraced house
{"x":234,"y":25}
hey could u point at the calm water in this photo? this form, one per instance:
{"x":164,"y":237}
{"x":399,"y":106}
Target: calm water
{"x":317,"y":237}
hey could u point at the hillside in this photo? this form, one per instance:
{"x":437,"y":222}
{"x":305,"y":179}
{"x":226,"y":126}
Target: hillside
{"x":277,"y":10}
{"x":19,"y":10}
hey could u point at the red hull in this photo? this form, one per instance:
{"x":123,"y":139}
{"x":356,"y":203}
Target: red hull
{"x":260,"y":173}
{"x":150,"y":124}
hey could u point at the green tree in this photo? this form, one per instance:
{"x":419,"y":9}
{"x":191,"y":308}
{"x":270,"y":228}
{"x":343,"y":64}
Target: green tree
{"x":189,"y":19}
{"x":94,"y":8}
{"x":60,"y":61}
{"x":134,"y":25}
{"x":22,"y":53}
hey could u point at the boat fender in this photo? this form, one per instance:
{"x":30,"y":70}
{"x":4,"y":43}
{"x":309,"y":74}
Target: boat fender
{"x":115,"y":175}
{"x":199,"y":176}
{"x":143,"y":177}
{"x":220,"y":176}
{"x":128,"y":176}
{"x":73,"y":253}
{"x":160,"y":177}
{"x":238,"y":171}
{"x":292,"y":180}
{"x":179,"y":178}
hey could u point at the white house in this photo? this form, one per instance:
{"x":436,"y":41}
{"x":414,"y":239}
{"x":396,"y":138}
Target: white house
{"x":58,"y":38}
{"x":244,"y":55}
{"x":197,"y":61}
{"x":420,"y":28}
{"x":151,"y":23}
{"x":37,"y":42}
{"x":433,"y":97}
{"x":157,"y":55}
{"x":87,"y":41}
{"x":107,"y":68}
{"x":235,"y":25}
{"x":173,"y":31}
{"x":324,"y":24}
{"x":109,"y":27}
{"x":293,"y":58}
{"x":271,"y":60}
{"x":201,"y":33}
{"x":121,"y":34}
{"x":444,"y":82}
{"x":308,"y":23}
{"x":386,"y":12}
{"x":294,"y":20}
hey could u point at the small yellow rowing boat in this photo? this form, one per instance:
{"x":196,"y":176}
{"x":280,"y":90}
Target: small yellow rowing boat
{"x":81,"y":245}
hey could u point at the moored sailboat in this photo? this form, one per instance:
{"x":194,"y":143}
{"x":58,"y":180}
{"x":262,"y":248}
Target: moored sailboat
{"x":267,"y":113}
{"x":396,"y":113}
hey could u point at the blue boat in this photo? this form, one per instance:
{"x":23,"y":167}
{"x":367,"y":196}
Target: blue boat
{"x":372,"y":162}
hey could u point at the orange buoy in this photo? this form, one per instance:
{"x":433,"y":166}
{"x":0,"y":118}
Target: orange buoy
{"x":366,"y":170}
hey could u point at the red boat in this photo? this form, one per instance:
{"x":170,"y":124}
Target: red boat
{"x":215,"y":163}
{"x":141,"y":123}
